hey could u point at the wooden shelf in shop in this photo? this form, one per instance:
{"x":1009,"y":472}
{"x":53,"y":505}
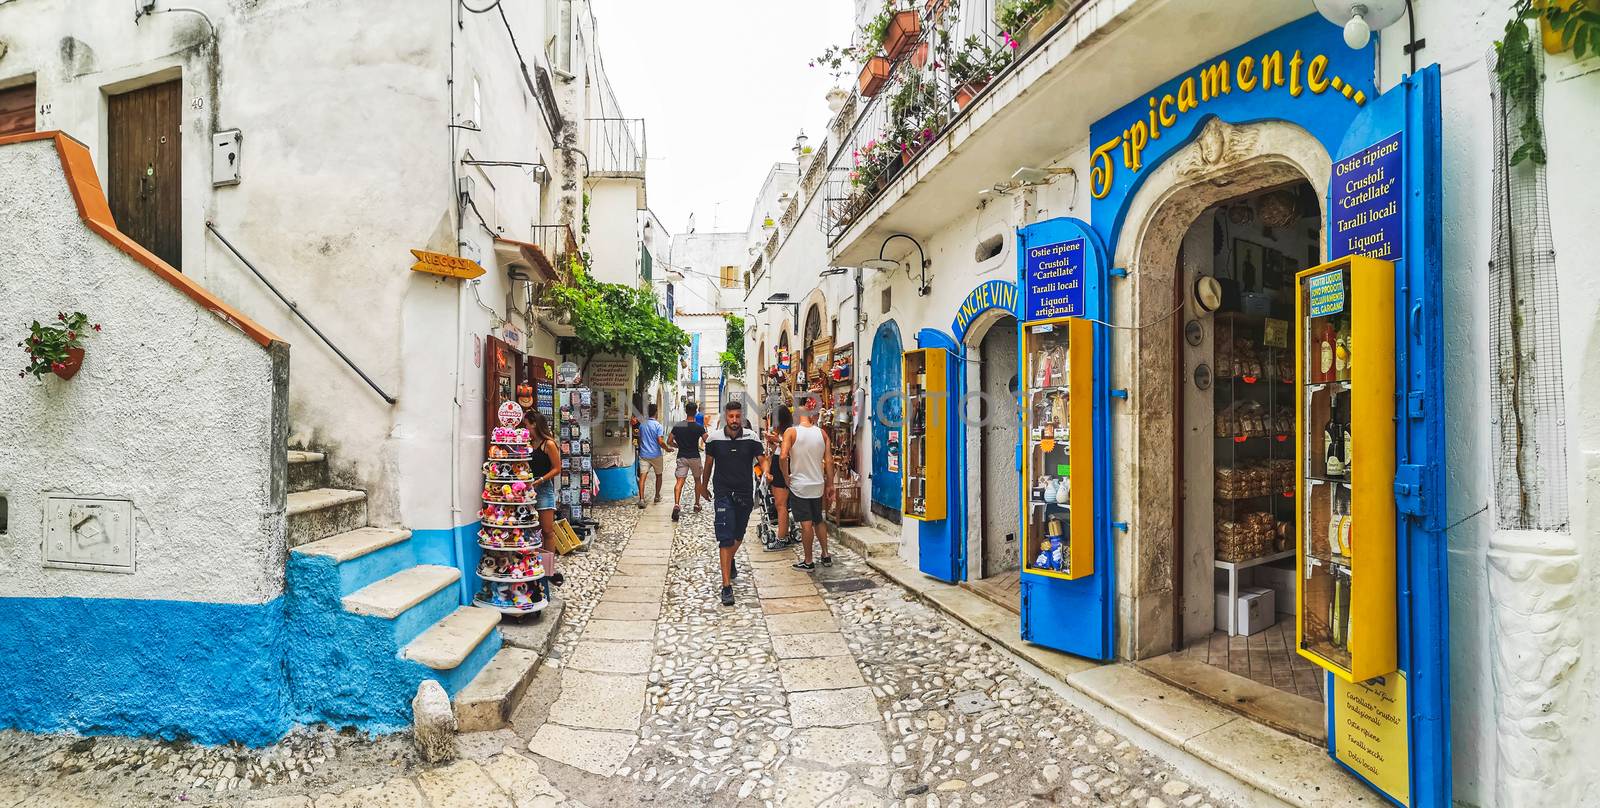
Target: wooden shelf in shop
{"x":1254,"y":562}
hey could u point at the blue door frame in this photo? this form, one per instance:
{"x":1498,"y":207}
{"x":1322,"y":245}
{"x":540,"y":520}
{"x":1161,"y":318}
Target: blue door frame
{"x":885,"y":413}
{"x":941,"y":544}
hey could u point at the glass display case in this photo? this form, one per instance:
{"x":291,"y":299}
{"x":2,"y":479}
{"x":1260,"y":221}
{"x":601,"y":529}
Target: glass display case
{"x":925,"y":473}
{"x":1344,"y":338}
{"x":1058,"y":528}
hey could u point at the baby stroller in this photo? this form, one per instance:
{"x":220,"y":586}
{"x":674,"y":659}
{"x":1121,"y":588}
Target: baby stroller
{"x":767,"y":525}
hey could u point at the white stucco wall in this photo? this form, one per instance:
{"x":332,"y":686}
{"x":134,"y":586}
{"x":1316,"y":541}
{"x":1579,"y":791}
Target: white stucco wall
{"x":174,"y":409}
{"x":348,"y":164}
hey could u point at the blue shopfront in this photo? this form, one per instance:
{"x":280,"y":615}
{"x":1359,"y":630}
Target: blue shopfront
{"x":1257,"y":290}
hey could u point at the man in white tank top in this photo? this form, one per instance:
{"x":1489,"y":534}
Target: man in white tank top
{"x":804,"y":456}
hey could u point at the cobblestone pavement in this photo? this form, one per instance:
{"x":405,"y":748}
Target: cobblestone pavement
{"x":829,"y":689}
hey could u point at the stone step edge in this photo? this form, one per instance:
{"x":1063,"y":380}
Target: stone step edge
{"x":413,"y":584}
{"x":447,"y":643}
{"x":488,"y":701}
{"x":318,"y":499}
{"x":869,"y":542}
{"x":1318,"y":788}
{"x":353,"y":544}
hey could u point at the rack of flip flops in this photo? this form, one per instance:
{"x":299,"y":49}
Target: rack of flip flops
{"x":513,"y":568}
{"x":579,"y":487}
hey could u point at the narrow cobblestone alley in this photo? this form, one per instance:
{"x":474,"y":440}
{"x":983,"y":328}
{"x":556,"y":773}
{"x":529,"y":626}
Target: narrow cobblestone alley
{"x":829,"y":690}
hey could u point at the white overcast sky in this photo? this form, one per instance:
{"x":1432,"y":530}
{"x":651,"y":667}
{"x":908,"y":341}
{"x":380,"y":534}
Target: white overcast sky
{"x":724,"y":87}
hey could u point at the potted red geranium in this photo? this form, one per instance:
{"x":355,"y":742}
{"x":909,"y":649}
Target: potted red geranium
{"x":58,"y":347}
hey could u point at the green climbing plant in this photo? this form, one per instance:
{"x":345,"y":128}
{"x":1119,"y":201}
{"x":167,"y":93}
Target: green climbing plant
{"x":732,"y":360}
{"x":611,"y":318}
{"x":1516,"y":67}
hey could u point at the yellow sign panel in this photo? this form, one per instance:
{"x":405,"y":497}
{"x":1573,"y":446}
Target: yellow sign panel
{"x":449,"y":266}
{"x":1369,"y":728}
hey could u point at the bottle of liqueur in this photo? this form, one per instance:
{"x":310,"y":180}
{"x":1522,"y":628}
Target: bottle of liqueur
{"x":1341,"y":352}
{"x":1325,"y":347}
{"x":1333,"y":441}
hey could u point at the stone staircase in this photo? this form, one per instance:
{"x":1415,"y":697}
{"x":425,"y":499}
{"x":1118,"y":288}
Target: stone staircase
{"x":369,"y":620}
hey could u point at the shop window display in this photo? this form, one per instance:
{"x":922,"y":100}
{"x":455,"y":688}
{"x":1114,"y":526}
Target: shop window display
{"x":927,"y":395}
{"x":1054,"y":542}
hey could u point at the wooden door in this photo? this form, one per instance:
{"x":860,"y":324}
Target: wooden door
{"x":16,"y":110}
{"x":145,"y":168}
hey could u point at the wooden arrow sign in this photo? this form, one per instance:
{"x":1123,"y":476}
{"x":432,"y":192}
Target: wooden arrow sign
{"x":449,"y":266}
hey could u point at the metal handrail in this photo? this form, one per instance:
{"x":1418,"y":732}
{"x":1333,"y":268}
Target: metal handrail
{"x":296,"y":309}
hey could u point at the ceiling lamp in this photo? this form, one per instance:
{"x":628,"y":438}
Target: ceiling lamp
{"x":1361,"y":17}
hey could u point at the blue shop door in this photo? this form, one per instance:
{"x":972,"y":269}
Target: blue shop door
{"x":885,"y":408}
{"x":1075,"y":616}
{"x":1396,"y":139}
{"x":941,"y":543}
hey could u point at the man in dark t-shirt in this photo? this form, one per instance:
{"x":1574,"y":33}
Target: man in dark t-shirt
{"x":686,"y":437}
{"x":732,"y":452}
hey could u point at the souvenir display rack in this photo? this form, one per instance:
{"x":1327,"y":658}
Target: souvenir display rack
{"x":578,"y":486}
{"x":840,"y":418}
{"x":1058,"y":528}
{"x":1344,"y":339}
{"x":510,"y":570}
{"x":924,"y":470}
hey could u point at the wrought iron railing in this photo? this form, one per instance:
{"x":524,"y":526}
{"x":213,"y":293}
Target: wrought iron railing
{"x":965,"y":46}
{"x":616,"y":147}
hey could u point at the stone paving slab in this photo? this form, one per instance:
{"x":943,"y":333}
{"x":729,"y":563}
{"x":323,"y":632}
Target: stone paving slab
{"x":834,"y":708}
{"x":798,"y":591}
{"x":796,"y":646}
{"x":802,"y":623}
{"x":625,"y":611}
{"x":646,"y":569}
{"x":619,"y":629}
{"x":521,"y":778}
{"x":398,"y":793}
{"x":298,"y":801}
{"x":599,"y":701}
{"x":859,"y":745}
{"x":462,"y":784}
{"x":642,"y":581}
{"x":781,"y":577}
{"x":805,"y":788}
{"x":632,"y":594}
{"x":602,"y":656}
{"x":820,"y":673}
{"x":804,"y":603}
{"x":593,"y":751}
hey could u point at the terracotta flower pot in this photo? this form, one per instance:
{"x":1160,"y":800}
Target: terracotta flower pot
{"x":1040,"y":26}
{"x":73,"y":364}
{"x":966,"y":92}
{"x":919,"y":55}
{"x":874,"y":74}
{"x":904,"y":29}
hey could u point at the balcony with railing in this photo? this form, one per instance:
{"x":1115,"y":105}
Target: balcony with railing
{"x":616,"y":148}
{"x":560,"y":246}
{"x":907,"y":101}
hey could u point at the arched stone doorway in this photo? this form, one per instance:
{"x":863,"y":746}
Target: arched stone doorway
{"x":1223,"y":163}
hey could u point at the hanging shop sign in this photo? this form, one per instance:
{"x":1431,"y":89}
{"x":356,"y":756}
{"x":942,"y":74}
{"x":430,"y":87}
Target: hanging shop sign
{"x":450,"y":266}
{"x":567,"y":374}
{"x":988,"y":295}
{"x":1054,"y":277}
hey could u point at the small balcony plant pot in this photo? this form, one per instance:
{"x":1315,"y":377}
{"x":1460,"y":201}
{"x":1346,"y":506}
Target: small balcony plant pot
{"x":1041,"y":25}
{"x":903,"y":32}
{"x":874,"y":74}
{"x":919,"y":55}
{"x":966,"y":92}
{"x":73,"y":364}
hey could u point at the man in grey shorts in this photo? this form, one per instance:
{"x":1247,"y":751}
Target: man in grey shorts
{"x":804,"y":458}
{"x":686,"y":438}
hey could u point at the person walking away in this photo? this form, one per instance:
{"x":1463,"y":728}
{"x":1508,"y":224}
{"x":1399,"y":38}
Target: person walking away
{"x":776,"y":478}
{"x":731,"y":453}
{"x":651,"y":444}
{"x":686,"y":438}
{"x":804,"y":460}
{"x":544,"y":463}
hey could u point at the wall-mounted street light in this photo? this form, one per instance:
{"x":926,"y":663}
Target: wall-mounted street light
{"x":890,"y":265}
